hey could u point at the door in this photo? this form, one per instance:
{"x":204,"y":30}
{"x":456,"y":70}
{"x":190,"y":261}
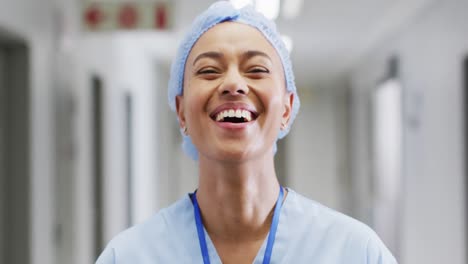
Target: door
{"x":2,"y":154}
{"x":14,"y":152}
{"x":98,"y":148}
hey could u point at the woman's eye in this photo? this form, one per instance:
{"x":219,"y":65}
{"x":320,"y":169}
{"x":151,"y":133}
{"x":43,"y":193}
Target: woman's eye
{"x":207,"y":71}
{"x":259,"y":70}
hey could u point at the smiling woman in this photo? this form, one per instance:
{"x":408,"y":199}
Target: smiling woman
{"x":233,"y":90}
{"x":232,"y":69}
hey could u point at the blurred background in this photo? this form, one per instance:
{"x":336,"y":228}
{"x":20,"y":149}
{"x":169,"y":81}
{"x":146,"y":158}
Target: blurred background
{"x":89,"y":147}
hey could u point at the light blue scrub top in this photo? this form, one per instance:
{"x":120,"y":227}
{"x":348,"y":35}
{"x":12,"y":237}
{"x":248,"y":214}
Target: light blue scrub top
{"x":308,"y":232}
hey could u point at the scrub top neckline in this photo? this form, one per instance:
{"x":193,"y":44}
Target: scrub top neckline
{"x":280,"y":248}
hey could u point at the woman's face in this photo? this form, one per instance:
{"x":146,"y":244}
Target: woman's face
{"x":234,"y":101}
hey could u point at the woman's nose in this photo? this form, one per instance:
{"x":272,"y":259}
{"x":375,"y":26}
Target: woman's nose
{"x":234,"y":84}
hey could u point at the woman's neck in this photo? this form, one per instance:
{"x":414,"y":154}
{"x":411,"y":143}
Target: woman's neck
{"x":237,"y":200}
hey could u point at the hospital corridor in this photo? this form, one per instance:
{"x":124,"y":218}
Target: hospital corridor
{"x":90,"y":147}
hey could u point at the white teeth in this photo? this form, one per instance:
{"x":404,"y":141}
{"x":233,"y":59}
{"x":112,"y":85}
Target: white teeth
{"x":247,"y":115}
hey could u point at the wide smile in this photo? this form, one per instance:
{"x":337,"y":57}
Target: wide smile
{"x":231,"y":116}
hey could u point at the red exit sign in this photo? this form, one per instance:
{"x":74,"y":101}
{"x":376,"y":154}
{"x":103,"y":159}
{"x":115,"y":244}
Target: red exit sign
{"x":105,"y":16}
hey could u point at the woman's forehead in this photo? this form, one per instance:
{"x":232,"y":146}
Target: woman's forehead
{"x":234,"y":37}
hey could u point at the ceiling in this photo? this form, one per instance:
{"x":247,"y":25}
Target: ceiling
{"x":329,"y":35}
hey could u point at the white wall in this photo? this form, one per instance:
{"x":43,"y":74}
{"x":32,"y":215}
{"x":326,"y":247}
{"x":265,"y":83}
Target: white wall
{"x":317,"y":146}
{"x":126,"y":62}
{"x":32,"y":21}
{"x":431,"y":49}
{"x":178,"y":174}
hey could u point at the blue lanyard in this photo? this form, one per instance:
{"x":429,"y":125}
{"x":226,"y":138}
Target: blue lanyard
{"x":271,"y":235}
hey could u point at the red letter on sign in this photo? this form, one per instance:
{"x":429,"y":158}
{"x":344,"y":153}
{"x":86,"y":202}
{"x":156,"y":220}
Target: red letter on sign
{"x":128,"y":16}
{"x":160,"y":16}
{"x":93,"y":16}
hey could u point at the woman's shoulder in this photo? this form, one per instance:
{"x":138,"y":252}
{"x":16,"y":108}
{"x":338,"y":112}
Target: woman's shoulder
{"x":151,"y":237}
{"x":326,"y":229}
{"x":316,"y":214}
{"x":157,"y":224}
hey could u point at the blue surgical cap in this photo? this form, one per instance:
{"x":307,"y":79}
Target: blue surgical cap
{"x":219,"y":12}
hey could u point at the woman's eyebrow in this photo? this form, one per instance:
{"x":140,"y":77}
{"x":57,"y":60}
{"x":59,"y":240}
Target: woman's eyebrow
{"x":210,"y":54}
{"x":252,"y":53}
